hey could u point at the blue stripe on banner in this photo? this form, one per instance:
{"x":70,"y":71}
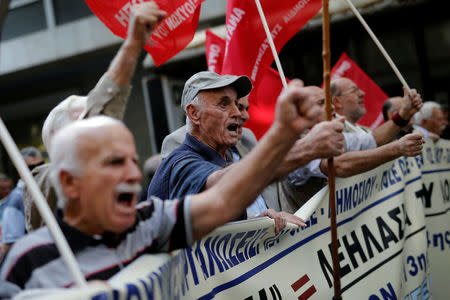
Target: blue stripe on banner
{"x":435,"y":171}
{"x":285,"y":252}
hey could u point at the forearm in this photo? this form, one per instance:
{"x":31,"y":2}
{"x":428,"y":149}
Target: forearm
{"x":386,"y":133}
{"x":122,"y":67}
{"x":238,"y":187}
{"x":215,"y":177}
{"x":356,"y":162}
{"x":299,"y":155}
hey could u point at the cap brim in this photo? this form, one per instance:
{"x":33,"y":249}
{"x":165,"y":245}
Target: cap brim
{"x":241,"y":84}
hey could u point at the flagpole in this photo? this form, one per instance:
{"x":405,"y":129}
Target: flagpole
{"x":380,"y":47}
{"x":331,"y":172}
{"x":42,"y":205}
{"x":272,"y":46}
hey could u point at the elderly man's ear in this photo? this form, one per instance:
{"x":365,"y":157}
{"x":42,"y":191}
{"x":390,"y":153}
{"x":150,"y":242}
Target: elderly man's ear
{"x":70,"y":184}
{"x":193,"y":113}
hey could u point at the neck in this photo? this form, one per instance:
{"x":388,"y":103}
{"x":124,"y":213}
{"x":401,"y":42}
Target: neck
{"x":221,"y":149}
{"x":74,"y":217}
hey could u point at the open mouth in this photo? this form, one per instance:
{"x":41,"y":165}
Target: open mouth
{"x":125,"y":199}
{"x":126,"y":194}
{"x":233,"y":127}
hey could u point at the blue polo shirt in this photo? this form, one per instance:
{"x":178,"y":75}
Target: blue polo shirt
{"x":185,"y":171}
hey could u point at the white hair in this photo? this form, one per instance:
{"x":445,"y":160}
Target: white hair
{"x":425,"y":112}
{"x":61,"y":115}
{"x":196,"y":102}
{"x":64,"y":150}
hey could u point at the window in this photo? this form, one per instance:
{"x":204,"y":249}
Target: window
{"x":24,"y":16}
{"x":68,"y":11}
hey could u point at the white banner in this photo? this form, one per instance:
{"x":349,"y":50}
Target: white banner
{"x":394,"y":243}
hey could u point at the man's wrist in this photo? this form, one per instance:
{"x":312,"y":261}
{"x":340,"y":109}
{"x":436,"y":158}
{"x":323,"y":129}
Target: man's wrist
{"x":399,"y":120}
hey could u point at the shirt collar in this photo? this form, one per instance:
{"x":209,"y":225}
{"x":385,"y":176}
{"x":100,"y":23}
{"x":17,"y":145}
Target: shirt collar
{"x":207,"y":152}
{"x":79,"y":240}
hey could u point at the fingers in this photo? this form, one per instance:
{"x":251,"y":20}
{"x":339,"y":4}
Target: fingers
{"x":293,"y":219}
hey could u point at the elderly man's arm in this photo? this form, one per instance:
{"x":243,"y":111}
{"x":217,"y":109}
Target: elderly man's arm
{"x":238,"y":188}
{"x":356,"y":162}
{"x":389,"y":130}
{"x":324,"y":140}
{"x":110,"y":95}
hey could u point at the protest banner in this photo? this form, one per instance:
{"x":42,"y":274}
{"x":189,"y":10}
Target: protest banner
{"x":171,"y":35}
{"x":374,"y":96}
{"x":394,"y":243}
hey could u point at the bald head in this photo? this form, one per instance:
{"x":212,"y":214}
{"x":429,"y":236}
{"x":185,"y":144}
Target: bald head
{"x":318,"y":96}
{"x":72,"y":145}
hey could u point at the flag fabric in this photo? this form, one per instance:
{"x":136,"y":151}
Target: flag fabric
{"x":171,"y":36}
{"x":247,"y":47}
{"x":374,"y":95}
{"x":262,"y":99}
{"x":215,"y":49}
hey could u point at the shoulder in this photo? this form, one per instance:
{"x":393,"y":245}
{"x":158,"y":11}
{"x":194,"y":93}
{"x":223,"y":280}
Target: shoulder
{"x":27,"y":254}
{"x":173,"y":141}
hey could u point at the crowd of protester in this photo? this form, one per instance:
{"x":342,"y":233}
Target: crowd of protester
{"x":210,"y":171}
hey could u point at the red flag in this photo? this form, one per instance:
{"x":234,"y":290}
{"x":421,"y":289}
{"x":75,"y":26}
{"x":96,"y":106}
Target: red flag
{"x":263,"y":99}
{"x":171,"y":36}
{"x":374,"y":96}
{"x":248,"y":51}
{"x":215,"y":48}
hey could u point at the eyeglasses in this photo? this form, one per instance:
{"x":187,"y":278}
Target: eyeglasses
{"x":353,"y":90}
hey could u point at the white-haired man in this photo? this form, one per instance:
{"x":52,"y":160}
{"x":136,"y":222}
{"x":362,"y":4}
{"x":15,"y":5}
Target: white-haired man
{"x":96,"y":172}
{"x":109,"y":97}
{"x":215,"y":106}
{"x":430,"y":120}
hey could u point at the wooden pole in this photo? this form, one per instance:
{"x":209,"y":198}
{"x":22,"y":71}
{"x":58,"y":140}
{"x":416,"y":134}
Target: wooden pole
{"x":378,"y":44}
{"x":271,"y":44}
{"x":331,"y":172}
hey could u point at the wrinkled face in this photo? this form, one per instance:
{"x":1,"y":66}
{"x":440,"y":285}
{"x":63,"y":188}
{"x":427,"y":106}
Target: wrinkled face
{"x":351,"y":101}
{"x":243,"y":107}
{"x":5,"y":188}
{"x":219,"y":118}
{"x":107,"y":188}
{"x":436,"y":123}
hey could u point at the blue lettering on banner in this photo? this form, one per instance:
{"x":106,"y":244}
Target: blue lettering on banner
{"x":219,"y":253}
{"x":353,"y":196}
{"x":386,"y":294}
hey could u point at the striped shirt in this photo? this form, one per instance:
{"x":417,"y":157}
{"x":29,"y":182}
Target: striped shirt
{"x":34,"y":261}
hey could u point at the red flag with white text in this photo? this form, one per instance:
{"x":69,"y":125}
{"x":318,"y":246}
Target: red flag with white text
{"x":248,"y":51}
{"x":171,"y":36}
{"x":374,"y":95}
{"x":215,"y":48}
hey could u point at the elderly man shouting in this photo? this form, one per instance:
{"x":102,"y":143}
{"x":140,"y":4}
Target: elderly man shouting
{"x":95,"y":171}
{"x":215,"y":108}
